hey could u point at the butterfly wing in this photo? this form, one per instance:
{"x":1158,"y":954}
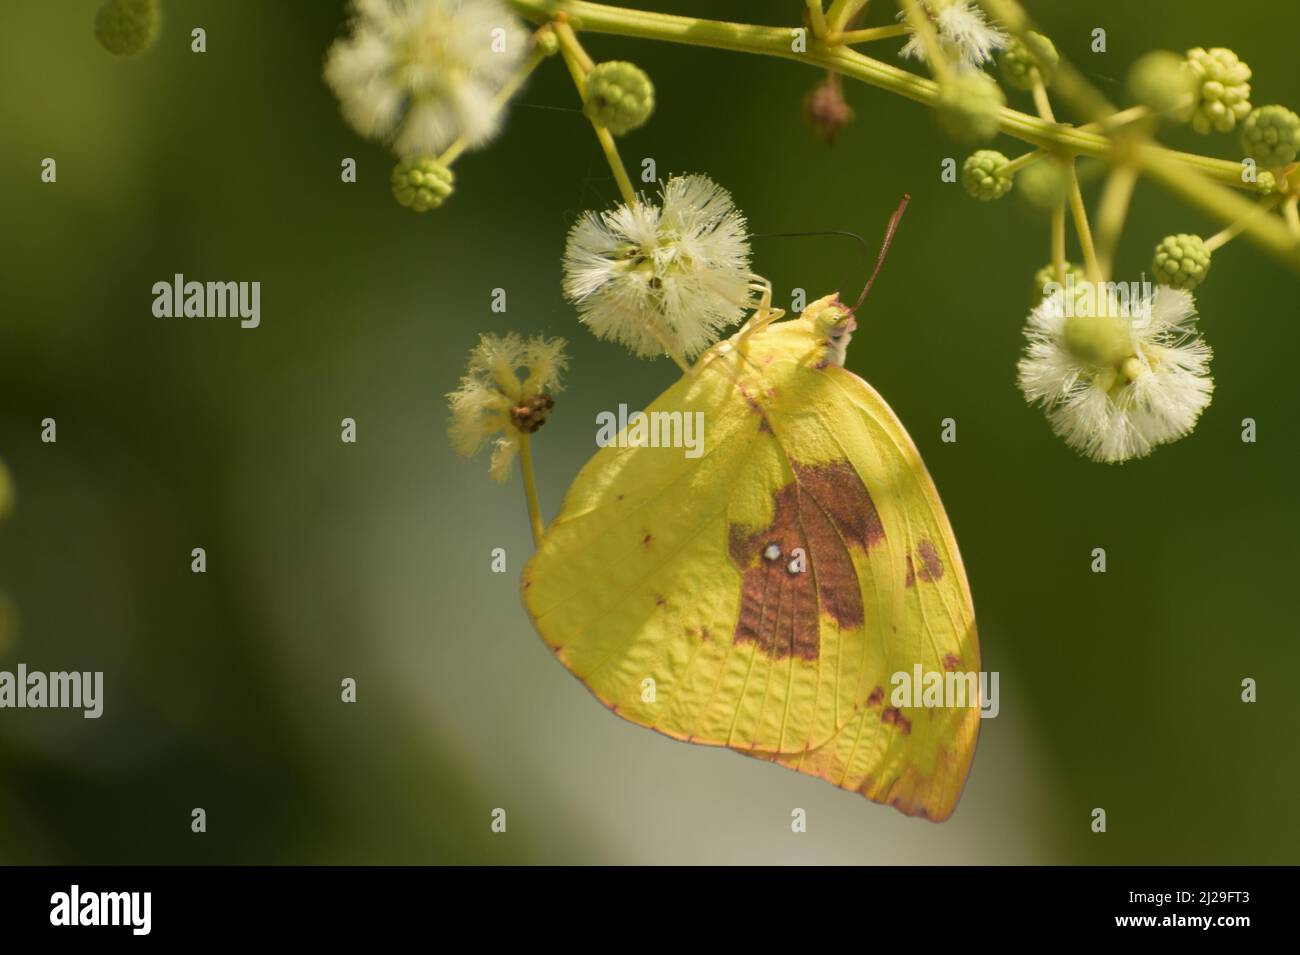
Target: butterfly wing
{"x":759,"y":596}
{"x":645,"y":585}
{"x":925,"y":647}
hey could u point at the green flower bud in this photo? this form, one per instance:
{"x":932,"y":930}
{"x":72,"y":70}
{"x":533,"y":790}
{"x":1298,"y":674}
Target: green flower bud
{"x":980,"y":176}
{"x":1043,"y":184}
{"x":1101,"y":340}
{"x":1222,"y":89}
{"x":1026,"y":62}
{"x":1162,"y":82}
{"x":968,"y":106}
{"x":1181,"y":261}
{"x":1047,"y":274}
{"x":422,"y":183}
{"x":548,"y":42}
{"x":620,"y":96}
{"x":1266,"y":183}
{"x":1271,"y":135}
{"x":127,"y":27}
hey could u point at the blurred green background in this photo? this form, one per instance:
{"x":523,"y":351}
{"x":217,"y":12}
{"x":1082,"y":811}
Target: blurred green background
{"x":371,"y":561}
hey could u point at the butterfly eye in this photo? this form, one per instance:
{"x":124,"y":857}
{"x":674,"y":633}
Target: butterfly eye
{"x":656,"y":282}
{"x":773,"y":552}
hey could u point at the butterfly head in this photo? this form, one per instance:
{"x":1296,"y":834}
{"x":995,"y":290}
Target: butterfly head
{"x":833,"y":325}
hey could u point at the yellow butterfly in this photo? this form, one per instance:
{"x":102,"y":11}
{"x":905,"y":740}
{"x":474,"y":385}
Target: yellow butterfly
{"x":764,"y":594}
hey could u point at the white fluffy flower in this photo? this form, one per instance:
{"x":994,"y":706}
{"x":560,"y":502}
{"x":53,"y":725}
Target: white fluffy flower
{"x":493,"y":398}
{"x":661,"y":278}
{"x":421,"y":73}
{"x":966,"y":36}
{"x":1114,"y":387}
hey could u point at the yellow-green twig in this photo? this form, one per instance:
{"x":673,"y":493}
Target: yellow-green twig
{"x":1080,"y":215}
{"x":1184,"y":174}
{"x":530,"y":488}
{"x":580,"y":64}
{"x":1224,"y":236}
{"x":1111,"y":212}
{"x":817,"y":17}
{"x":460,"y":144}
{"x":869,"y":35}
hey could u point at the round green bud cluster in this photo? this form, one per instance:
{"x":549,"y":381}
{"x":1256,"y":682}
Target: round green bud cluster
{"x":1047,"y":274}
{"x":1222,"y":89}
{"x":127,"y":27}
{"x":981,"y":177}
{"x":1271,"y":135}
{"x":1181,"y":261}
{"x":1043,"y":184}
{"x":1266,"y":183}
{"x":969,"y":106}
{"x":422,"y":183}
{"x":1161,"y":81}
{"x":1028,"y":61}
{"x":620,"y":96}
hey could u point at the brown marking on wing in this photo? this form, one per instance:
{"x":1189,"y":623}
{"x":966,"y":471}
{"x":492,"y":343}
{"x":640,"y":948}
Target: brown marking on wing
{"x":704,"y":634}
{"x":825,"y":511}
{"x":648,"y":537}
{"x":876,"y":697}
{"x":660,"y":601}
{"x":910,"y":579}
{"x":931,"y":565}
{"x":951,"y":661}
{"x":839,"y":490}
{"x":891,"y":715}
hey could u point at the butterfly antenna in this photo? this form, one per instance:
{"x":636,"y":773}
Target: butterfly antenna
{"x":884,"y":248}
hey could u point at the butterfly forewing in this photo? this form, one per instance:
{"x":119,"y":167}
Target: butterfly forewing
{"x":913,"y":757}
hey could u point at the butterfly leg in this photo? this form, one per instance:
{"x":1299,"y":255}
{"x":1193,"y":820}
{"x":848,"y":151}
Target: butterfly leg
{"x":764,"y":314}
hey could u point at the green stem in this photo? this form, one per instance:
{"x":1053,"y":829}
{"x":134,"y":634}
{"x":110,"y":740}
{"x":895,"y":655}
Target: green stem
{"x":1080,"y":215}
{"x":777,"y":41}
{"x":1168,"y":167}
{"x":842,"y":12}
{"x":530,"y":488}
{"x":925,"y":32}
{"x":1111,"y":212}
{"x":1021,"y":161}
{"x":1058,"y":242}
{"x":1222,"y":238}
{"x":1268,"y":232}
{"x":580,"y":64}
{"x":1292,"y":217}
{"x":460,"y":144}
{"x":1042,"y":103}
{"x":888,"y":32}
{"x":817,"y":17}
